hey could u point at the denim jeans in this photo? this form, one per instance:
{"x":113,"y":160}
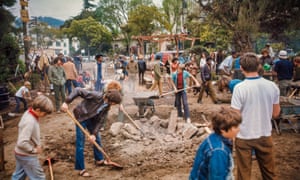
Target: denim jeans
{"x":69,"y":83}
{"x":181,"y":99}
{"x":98,"y":85}
{"x":28,"y":166}
{"x":18,"y":100}
{"x":80,"y":140}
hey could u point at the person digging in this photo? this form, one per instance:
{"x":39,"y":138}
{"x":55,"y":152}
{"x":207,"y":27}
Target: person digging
{"x":91,"y":114}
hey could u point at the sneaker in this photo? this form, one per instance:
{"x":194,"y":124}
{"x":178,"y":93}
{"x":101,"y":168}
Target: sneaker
{"x":188,"y":120}
{"x":58,"y":112}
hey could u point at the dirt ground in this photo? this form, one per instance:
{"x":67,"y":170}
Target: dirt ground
{"x":148,"y":158}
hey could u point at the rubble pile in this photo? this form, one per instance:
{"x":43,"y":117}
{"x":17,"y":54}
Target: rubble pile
{"x":173,"y":129}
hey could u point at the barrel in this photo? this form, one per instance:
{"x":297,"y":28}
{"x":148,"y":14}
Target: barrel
{"x":4,"y":97}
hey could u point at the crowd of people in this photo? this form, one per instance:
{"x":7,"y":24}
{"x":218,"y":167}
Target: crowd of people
{"x":246,"y":75}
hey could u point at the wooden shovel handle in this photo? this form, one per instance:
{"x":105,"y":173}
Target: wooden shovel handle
{"x":133,"y":122}
{"x":88,"y":135}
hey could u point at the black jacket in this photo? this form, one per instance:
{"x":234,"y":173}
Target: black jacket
{"x":92,"y":106}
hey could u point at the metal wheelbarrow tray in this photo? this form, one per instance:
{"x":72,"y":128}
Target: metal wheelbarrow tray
{"x":289,"y":111}
{"x":145,"y":103}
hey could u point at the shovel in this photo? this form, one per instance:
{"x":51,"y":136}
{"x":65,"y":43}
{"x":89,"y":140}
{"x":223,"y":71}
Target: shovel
{"x":109,"y":162}
{"x":49,"y":161}
{"x":172,"y":92}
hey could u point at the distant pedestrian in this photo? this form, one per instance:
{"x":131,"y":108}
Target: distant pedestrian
{"x":98,"y":72}
{"x":157,"y":78}
{"x":214,"y":156}
{"x":132,"y":68}
{"x":284,"y":70}
{"x":142,"y":69}
{"x":207,"y":85}
{"x":71,"y":75}
{"x":57,"y":77}
{"x":29,"y":143}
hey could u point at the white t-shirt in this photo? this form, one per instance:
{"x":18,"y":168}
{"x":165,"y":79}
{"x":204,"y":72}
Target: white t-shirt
{"x":255,"y":98}
{"x":22,"y":90}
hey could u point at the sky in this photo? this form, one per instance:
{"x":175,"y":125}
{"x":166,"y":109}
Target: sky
{"x":60,"y":9}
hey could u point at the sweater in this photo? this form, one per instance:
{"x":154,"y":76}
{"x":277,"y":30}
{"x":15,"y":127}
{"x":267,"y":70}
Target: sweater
{"x":28,"y":134}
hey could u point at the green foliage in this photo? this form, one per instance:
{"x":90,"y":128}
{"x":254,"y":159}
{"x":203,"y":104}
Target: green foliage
{"x":9,"y":53}
{"x":144,"y":20}
{"x":172,"y":10}
{"x":89,"y":32}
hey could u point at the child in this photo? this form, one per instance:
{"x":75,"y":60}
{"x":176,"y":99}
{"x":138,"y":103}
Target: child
{"x":214,"y":156}
{"x":28,"y":144}
{"x":21,"y":95}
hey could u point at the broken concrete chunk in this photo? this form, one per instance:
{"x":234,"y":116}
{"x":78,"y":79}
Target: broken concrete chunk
{"x":164,"y":124}
{"x":130,"y":136}
{"x":189,"y":131}
{"x":131,"y":129}
{"x":115,"y":128}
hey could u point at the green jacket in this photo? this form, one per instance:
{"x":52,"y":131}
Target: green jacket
{"x":157,"y":72}
{"x":57,"y":75}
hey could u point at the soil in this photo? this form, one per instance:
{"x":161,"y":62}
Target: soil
{"x":148,"y":158}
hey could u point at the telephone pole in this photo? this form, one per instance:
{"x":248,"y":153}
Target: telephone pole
{"x":26,"y":38}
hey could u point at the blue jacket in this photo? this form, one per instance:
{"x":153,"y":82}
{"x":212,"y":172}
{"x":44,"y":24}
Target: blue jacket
{"x":185,"y":76}
{"x":213,"y":159}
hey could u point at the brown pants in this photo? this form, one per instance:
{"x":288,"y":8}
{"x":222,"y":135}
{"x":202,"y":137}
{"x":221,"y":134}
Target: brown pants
{"x":211,"y":92}
{"x":157,"y":83}
{"x":264,"y":153}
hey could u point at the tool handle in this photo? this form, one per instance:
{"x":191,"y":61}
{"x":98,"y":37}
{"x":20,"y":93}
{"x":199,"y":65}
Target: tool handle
{"x":135,"y":124}
{"x":88,"y":135}
{"x":50,"y":168}
{"x":176,"y":91}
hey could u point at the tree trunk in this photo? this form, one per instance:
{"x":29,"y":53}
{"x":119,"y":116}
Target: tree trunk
{"x":242,"y":41}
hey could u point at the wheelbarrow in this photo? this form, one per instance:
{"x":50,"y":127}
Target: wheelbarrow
{"x":145,"y":103}
{"x":288,"y":112}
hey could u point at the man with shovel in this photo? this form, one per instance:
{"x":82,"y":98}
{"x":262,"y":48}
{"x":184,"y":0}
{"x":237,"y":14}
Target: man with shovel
{"x":179,"y":84}
{"x":91,"y":114}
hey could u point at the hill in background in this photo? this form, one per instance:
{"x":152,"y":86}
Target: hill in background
{"x":53,"y":22}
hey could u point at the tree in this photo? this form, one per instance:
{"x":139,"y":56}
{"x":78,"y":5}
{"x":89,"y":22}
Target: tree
{"x":172,"y":9}
{"x":88,"y":5}
{"x":114,"y":15}
{"x":280,"y":16}
{"x":9,"y":49}
{"x":145,"y":20}
{"x":89,"y":32}
{"x":240,"y":17}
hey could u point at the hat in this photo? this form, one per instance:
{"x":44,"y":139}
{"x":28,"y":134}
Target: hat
{"x":282,"y":54}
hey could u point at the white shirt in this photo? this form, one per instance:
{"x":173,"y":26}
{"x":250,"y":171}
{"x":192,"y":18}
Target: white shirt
{"x":255,"y":99}
{"x":226,"y":63}
{"x":22,"y":90}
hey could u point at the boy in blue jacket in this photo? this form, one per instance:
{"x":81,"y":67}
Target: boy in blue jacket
{"x":214,"y":156}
